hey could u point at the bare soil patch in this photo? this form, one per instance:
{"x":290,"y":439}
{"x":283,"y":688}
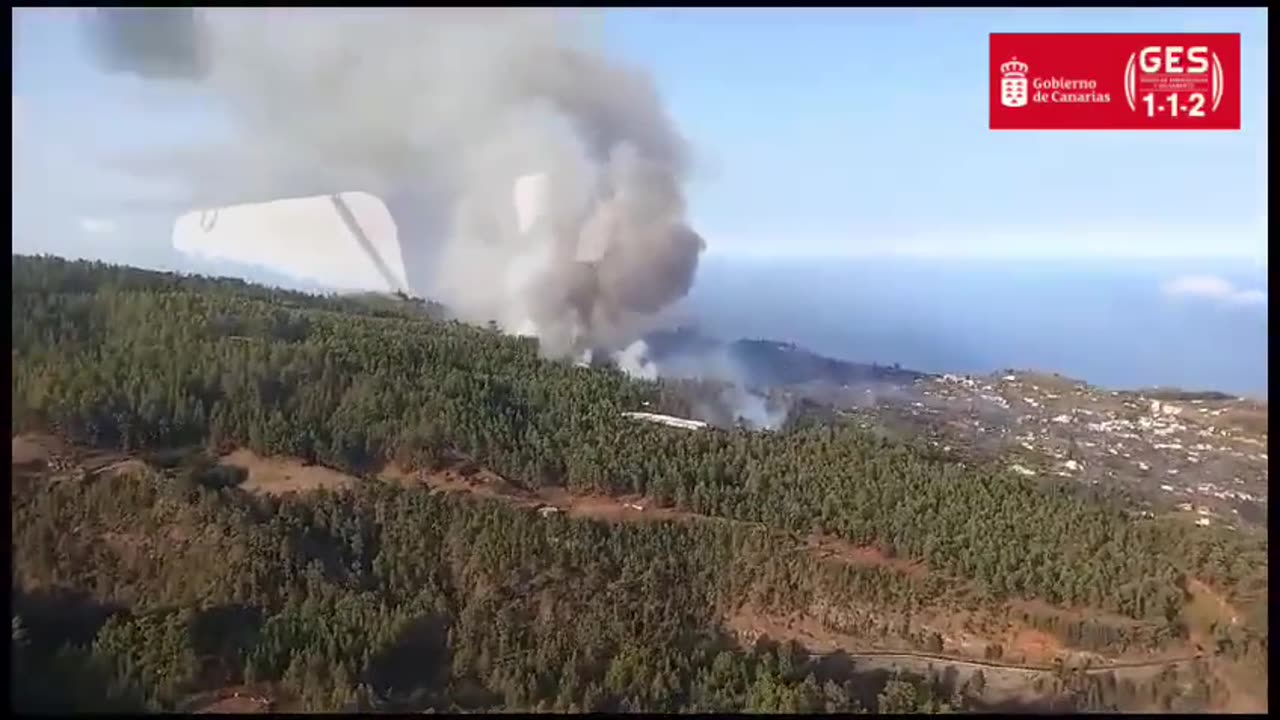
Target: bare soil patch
{"x":749,"y":624}
{"x":232,"y":701}
{"x":481,"y":482}
{"x":1246,"y":686}
{"x":611,"y":509}
{"x":1224,"y":610}
{"x":277,"y":476}
{"x":233,"y":706}
{"x":863,"y":555}
{"x":1025,"y":647}
{"x":1069,"y":613}
{"x":29,"y":449}
{"x":1252,"y":420}
{"x":1034,"y":647}
{"x":486,"y":484}
{"x":123,"y":468}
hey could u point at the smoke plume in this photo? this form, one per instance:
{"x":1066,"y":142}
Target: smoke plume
{"x":733,"y":397}
{"x":468,"y":118}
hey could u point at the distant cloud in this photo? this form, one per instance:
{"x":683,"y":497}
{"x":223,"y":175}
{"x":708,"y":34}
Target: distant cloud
{"x":1213,"y":287}
{"x":97,"y":226}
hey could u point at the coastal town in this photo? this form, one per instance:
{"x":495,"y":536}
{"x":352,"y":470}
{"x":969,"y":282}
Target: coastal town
{"x":1200,"y":454}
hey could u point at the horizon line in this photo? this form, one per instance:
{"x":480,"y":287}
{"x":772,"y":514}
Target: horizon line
{"x":963,"y":254}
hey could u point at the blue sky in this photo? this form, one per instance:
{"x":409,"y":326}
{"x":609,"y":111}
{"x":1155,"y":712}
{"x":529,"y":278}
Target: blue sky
{"x":848,"y":130}
{"x":818,"y":132}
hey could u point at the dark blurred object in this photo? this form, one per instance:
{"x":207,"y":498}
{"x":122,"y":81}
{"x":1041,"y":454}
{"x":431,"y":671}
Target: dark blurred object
{"x":154,"y":43}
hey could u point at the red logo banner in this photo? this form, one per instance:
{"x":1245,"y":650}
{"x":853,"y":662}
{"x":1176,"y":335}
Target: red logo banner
{"x":1113,"y":81}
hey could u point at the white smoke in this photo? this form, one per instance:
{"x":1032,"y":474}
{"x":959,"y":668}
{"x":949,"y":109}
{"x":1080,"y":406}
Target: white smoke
{"x":734,"y":402}
{"x":752,"y":409}
{"x":457,"y":110}
{"x":634,"y":361}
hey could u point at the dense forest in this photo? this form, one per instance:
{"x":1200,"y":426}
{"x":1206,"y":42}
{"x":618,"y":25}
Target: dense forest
{"x":388,"y":598}
{"x":327,"y":594}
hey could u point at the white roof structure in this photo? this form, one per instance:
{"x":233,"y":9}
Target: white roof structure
{"x":346,"y":241}
{"x":670,"y":420}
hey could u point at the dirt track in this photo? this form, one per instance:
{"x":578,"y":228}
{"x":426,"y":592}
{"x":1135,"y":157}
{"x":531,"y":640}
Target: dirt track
{"x":276,"y":476}
{"x":284,"y":475}
{"x":971,"y":662}
{"x":640,"y":509}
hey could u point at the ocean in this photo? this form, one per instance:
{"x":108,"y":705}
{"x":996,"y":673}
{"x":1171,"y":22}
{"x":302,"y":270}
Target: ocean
{"x":1112,"y":323}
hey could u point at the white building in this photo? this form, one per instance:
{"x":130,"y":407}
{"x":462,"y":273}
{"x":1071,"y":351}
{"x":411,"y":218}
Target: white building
{"x":669,"y":420}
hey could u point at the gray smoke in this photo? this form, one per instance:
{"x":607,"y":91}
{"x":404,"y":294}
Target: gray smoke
{"x":443,"y":110}
{"x":752,"y":409}
{"x":735,"y":400}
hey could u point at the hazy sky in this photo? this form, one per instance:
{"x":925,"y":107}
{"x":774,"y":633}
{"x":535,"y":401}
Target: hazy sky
{"x":818,"y":132}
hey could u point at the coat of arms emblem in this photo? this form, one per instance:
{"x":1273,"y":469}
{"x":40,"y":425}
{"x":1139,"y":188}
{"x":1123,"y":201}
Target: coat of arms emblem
{"x":1013,"y":84}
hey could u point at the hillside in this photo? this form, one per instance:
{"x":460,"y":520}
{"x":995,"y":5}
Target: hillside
{"x":337,"y":591}
{"x":767,"y":363}
{"x":1200,"y":456}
